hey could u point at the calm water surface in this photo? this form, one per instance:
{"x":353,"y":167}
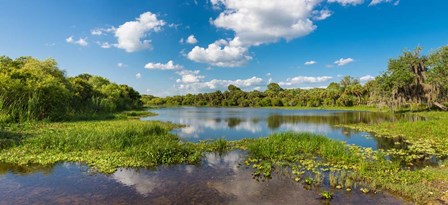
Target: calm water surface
{"x":237,"y":123}
{"x":217,"y":180}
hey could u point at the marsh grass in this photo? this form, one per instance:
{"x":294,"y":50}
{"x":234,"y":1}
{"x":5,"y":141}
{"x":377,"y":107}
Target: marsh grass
{"x":317,"y":160}
{"x":293,"y":146}
{"x":220,"y":146}
{"x":423,"y":138}
{"x":342,"y":165}
{"x":424,"y":141}
{"x":105,"y":145}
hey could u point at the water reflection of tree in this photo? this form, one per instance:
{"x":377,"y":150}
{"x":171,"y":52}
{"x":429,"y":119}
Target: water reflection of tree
{"x":388,"y":143}
{"x":275,"y":121}
{"x":25,"y":169}
{"x":233,"y":122}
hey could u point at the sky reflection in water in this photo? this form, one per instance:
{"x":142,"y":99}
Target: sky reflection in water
{"x":218,"y":180}
{"x":238,"y":123}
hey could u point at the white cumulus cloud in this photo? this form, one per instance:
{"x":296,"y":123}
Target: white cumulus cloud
{"x":347,"y":2}
{"x":218,"y":84}
{"x":102,"y":31}
{"x":189,"y":76}
{"x":80,"y":41}
{"x":304,"y":80}
{"x":375,"y":2}
{"x":255,"y":22}
{"x":321,"y":14}
{"x":310,"y":62}
{"x":104,"y":44}
{"x":130,"y":35}
{"x":192,"y":40}
{"x":163,"y":66}
{"x":263,"y":21}
{"x":138,"y":76}
{"x":344,"y":61}
{"x":221,"y":53}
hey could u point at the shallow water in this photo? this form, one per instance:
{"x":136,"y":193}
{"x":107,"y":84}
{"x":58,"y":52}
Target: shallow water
{"x":237,"y":123}
{"x":218,"y":180}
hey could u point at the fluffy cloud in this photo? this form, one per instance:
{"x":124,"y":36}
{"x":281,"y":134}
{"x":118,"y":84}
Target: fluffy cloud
{"x":102,"y":31}
{"x":138,"y":76}
{"x":322,"y":14}
{"x":130,"y":34}
{"x":217,"y":84}
{"x":347,"y":2}
{"x":366,"y":78}
{"x":104,"y":44}
{"x":192,"y":40}
{"x":189,"y":76}
{"x":343,"y":61}
{"x":286,"y":19}
{"x":96,"y":32}
{"x":310,"y":62}
{"x":258,"y":22}
{"x":312,"y":87}
{"x":304,"y":80}
{"x":80,"y":41}
{"x":221,"y":53}
{"x":375,"y":2}
{"x":160,"y":66}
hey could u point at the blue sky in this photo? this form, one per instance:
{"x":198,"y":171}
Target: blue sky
{"x":148,"y":44}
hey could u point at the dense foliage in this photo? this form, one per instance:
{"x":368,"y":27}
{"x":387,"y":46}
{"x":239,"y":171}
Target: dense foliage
{"x":31,"y":89}
{"x":411,"y":80}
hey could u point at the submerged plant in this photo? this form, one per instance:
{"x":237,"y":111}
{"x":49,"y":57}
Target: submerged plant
{"x":326,"y":195}
{"x":309,"y":180}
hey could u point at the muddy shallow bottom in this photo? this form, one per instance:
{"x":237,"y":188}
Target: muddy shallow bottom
{"x":218,"y":180}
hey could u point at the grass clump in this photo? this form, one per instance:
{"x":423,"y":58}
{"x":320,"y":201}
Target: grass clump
{"x":326,"y":195}
{"x":424,"y":139}
{"x":105,"y":145}
{"x":345,"y":165}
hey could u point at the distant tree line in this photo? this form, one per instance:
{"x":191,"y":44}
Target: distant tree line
{"x":411,"y":81}
{"x":31,"y":89}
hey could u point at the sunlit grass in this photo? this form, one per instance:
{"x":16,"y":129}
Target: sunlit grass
{"x":106,"y":145}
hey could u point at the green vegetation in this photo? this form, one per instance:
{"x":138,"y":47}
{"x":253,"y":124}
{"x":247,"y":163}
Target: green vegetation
{"x":415,"y":140}
{"x":326,"y":195}
{"x":412,"y":81}
{"x":33,"y":90}
{"x":345,"y":166}
{"x":106,"y":145}
{"x":100,"y":132}
{"x":416,"y":143}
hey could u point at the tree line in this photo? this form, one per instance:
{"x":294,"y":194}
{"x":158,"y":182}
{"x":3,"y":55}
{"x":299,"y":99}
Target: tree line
{"x":31,"y":89}
{"x":412,"y":80}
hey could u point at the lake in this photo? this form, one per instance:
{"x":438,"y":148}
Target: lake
{"x":219,"y":179}
{"x":203,"y":123}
